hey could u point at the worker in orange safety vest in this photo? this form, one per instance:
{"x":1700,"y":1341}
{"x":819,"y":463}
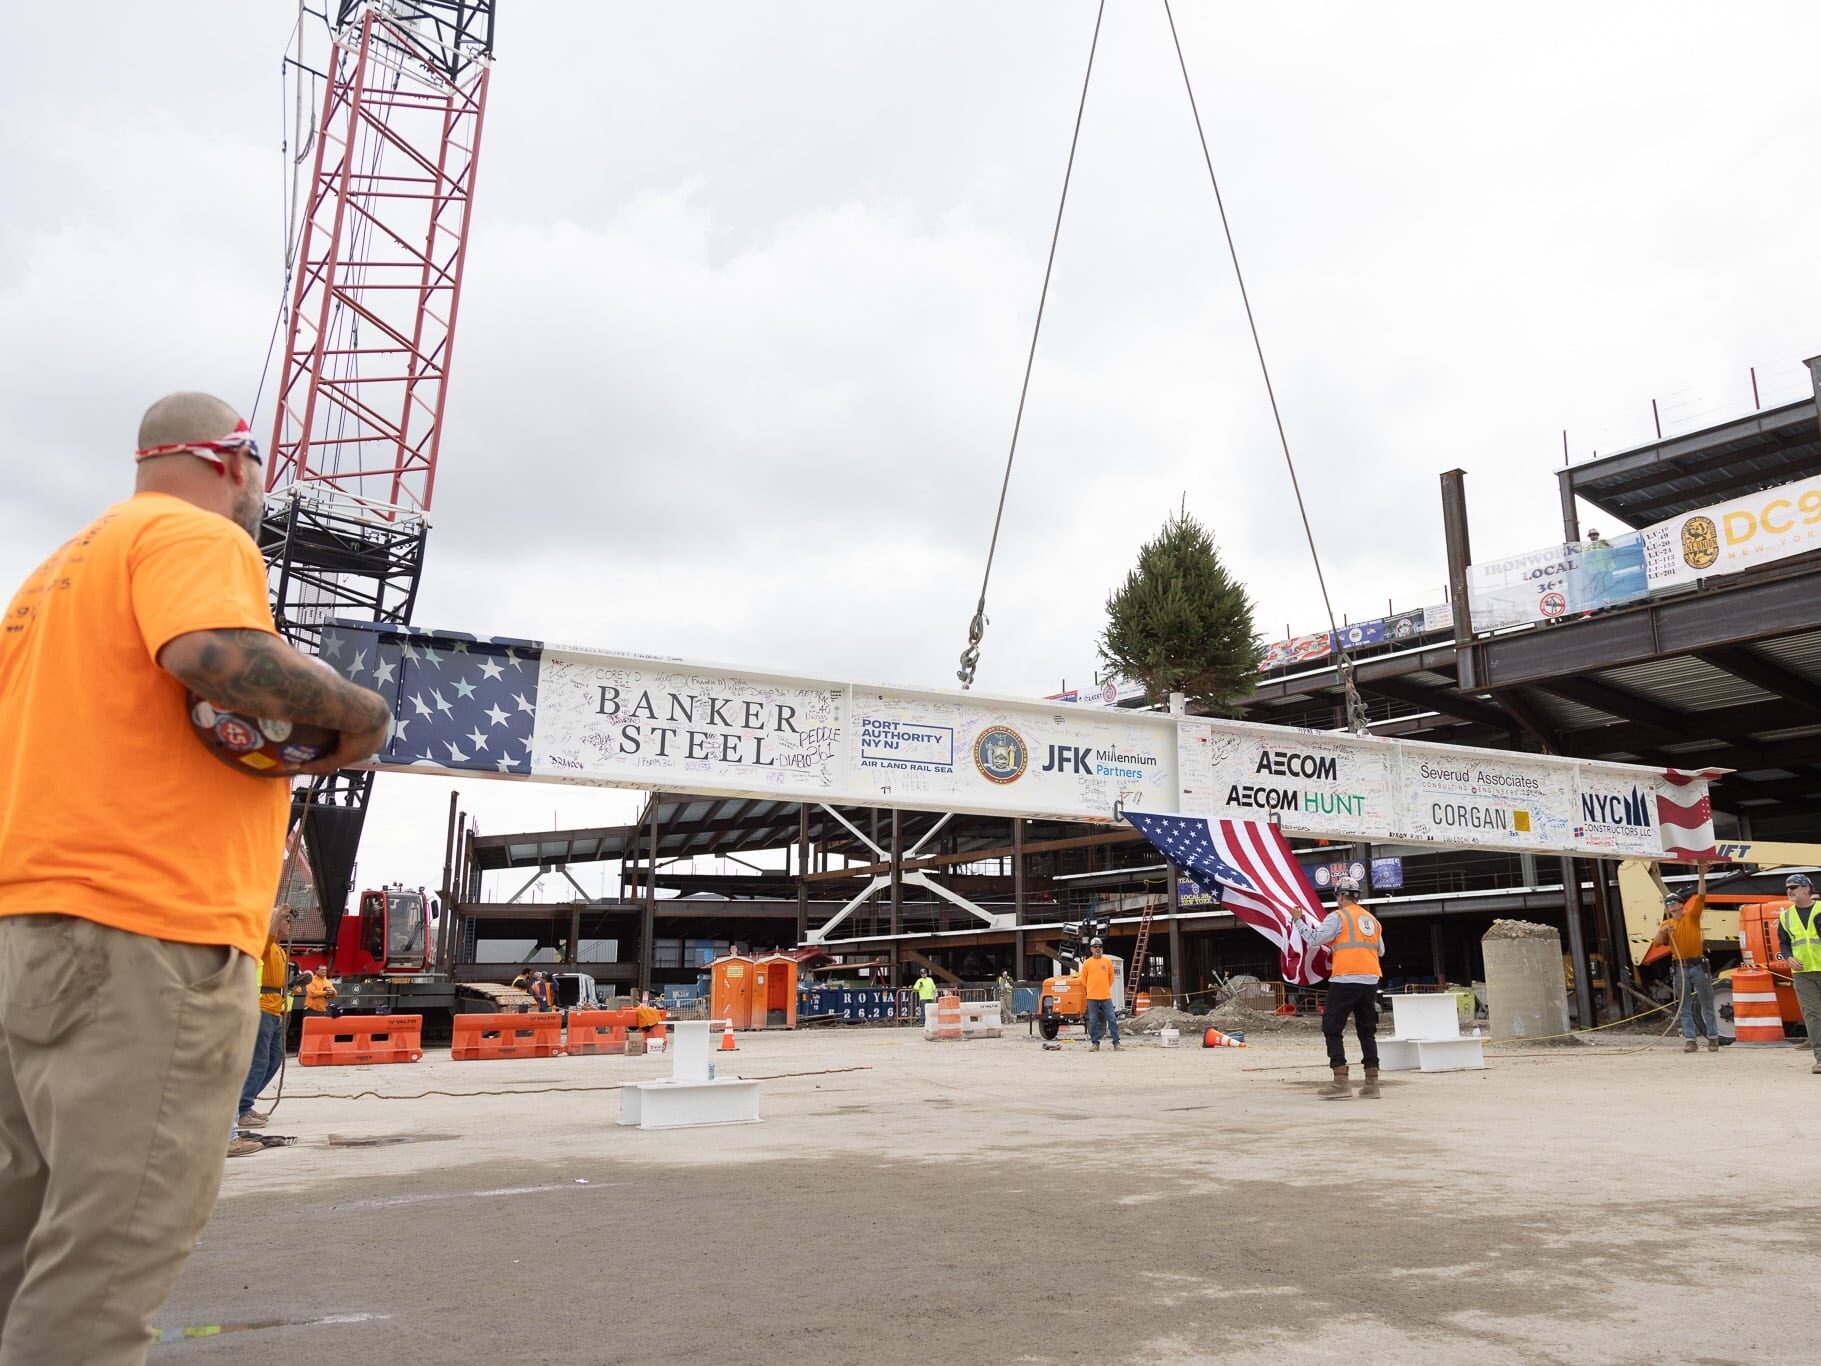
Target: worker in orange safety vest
{"x":1355,"y":939}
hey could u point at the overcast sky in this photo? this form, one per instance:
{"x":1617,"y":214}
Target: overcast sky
{"x":750,"y":286}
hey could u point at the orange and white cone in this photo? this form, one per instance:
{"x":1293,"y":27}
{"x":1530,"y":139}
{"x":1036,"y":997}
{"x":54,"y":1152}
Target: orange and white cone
{"x":727,"y":1043}
{"x":1215,"y":1039}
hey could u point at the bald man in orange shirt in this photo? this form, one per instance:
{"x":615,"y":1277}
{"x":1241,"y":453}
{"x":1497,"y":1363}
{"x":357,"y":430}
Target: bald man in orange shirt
{"x":137,"y":876}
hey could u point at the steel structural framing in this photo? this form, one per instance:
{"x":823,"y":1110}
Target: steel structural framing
{"x":377,"y":289}
{"x":357,"y":422}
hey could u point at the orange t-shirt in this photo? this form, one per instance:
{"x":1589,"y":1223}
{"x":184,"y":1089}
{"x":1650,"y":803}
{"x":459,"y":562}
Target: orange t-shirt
{"x":1685,"y":930}
{"x":1097,"y":977}
{"x":111,"y":809}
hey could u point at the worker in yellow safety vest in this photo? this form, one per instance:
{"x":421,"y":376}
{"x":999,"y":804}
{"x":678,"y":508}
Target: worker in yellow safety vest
{"x":269,"y":1043}
{"x":925,"y":987}
{"x":1356,"y":940}
{"x":1799,"y":936}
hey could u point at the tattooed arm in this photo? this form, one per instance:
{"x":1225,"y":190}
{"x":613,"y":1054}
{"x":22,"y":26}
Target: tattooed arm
{"x":254,"y":671}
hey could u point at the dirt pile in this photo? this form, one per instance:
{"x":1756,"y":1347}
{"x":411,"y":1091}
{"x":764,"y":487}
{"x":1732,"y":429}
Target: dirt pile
{"x":1520,"y":929}
{"x":1159,"y":1018}
{"x":1234,"y":1016}
{"x":1227,"y":1018}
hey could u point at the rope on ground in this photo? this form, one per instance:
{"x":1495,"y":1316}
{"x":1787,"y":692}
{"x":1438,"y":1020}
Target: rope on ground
{"x":549,"y":1090}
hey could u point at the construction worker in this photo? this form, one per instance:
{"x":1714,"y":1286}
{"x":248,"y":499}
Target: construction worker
{"x":318,"y":992}
{"x":925,"y":987}
{"x":1097,"y":974}
{"x":136,"y":877}
{"x":540,"y":991}
{"x":1681,"y":931}
{"x":1356,"y":940}
{"x":269,"y":1045}
{"x":1799,"y":936}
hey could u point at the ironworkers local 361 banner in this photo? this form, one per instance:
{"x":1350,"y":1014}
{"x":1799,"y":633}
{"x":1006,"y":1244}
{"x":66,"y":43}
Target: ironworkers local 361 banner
{"x":512,"y":708}
{"x":1584,"y":576}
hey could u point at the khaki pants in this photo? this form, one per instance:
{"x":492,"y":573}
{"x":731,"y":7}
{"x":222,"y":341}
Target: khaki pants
{"x":1808,"y":997}
{"x":120,"y":1061}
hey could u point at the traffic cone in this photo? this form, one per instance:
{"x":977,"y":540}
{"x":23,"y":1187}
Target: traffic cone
{"x":727,"y":1043}
{"x":1215,"y":1039}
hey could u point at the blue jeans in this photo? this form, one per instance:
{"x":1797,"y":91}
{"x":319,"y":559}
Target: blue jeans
{"x":269,"y":1051}
{"x":1696,"y":986}
{"x":1098,"y":1012}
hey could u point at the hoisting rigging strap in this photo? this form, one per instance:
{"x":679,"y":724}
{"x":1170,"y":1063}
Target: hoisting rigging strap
{"x":1356,"y":713}
{"x":970,"y":657}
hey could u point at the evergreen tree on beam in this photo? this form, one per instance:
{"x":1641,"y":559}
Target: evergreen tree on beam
{"x":1182,"y":623}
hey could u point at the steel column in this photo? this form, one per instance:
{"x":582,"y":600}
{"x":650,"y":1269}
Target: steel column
{"x":897,"y":861}
{"x":802,"y":871}
{"x":1177,"y":980}
{"x":1460,"y":552}
{"x":1577,"y":945}
{"x":648,"y":915}
{"x":1018,"y":964}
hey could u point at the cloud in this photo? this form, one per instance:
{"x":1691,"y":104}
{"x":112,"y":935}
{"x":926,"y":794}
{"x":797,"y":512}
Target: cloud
{"x":750,"y":291}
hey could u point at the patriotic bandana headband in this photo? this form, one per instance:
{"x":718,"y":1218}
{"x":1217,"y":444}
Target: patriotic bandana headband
{"x":240,"y":439}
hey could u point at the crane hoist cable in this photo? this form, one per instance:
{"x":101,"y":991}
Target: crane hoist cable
{"x":1356,"y":714}
{"x":970,"y":657}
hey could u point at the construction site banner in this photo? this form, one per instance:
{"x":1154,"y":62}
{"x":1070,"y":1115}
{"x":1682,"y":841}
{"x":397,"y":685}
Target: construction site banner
{"x":1353,"y":787}
{"x":1598,"y":573}
{"x":513,"y":708}
{"x":1771,"y":524}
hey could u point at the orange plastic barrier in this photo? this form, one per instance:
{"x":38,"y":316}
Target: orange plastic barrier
{"x":1142,"y":1003}
{"x":596,"y":1031}
{"x":356,"y":1040}
{"x":948,"y":1017}
{"x":537,"y":1034}
{"x":1755,"y":1017}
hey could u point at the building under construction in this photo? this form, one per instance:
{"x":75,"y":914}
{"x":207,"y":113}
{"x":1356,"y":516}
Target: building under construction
{"x":1724,"y":675}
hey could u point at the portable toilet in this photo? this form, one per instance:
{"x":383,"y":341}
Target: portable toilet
{"x":730,"y":991}
{"x":774,"y":992}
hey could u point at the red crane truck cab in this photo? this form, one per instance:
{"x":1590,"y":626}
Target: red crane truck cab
{"x":387,"y":932}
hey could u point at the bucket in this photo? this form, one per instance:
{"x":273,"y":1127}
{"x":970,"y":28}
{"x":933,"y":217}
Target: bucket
{"x":1169,"y":1038}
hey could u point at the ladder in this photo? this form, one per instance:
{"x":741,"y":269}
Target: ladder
{"x":1139,"y":946}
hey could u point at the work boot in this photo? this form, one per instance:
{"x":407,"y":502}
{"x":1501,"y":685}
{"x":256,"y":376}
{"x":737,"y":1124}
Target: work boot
{"x":1094,"y":1048}
{"x":1370,"y":1090}
{"x":241,"y":1147}
{"x":251,"y":1119}
{"x":1691,"y":1047}
{"x":1816,"y":1067}
{"x":1338,"y":1089}
{"x":1713,"y":1045}
{"x":1115,"y":1045}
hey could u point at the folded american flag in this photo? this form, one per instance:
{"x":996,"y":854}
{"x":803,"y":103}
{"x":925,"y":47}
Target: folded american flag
{"x":1260,"y":882}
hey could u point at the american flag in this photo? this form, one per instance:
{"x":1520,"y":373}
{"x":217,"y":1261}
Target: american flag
{"x":1260,"y":882}
{"x":457,"y":702}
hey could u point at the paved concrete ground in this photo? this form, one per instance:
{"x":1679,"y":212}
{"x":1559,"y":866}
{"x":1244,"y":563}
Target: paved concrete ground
{"x":990,"y":1201}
